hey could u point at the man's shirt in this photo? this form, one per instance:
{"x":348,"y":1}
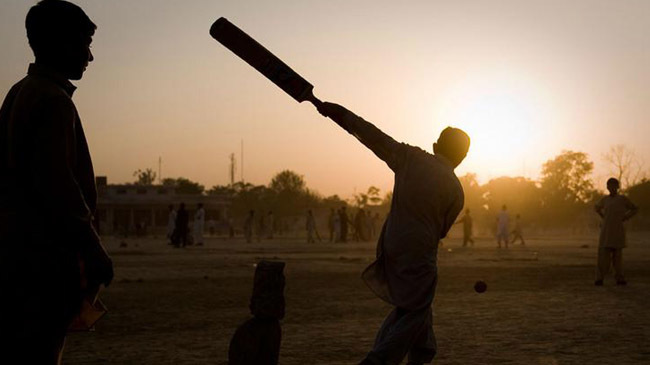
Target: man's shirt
{"x":45,"y":163}
{"x":612,"y":230}
{"x":427,"y":198}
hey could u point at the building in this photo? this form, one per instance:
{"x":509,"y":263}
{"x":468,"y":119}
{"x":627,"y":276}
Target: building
{"x":139,"y":209}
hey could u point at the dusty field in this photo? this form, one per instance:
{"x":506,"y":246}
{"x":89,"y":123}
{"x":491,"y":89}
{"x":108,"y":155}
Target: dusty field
{"x":181,"y":306}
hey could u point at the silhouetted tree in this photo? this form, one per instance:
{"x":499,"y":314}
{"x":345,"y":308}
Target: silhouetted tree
{"x":184,"y":186}
{"x":146,"y":177}
{"x":625,"y":165}
{"x":566,"y":187}
{"x":288,"y":181}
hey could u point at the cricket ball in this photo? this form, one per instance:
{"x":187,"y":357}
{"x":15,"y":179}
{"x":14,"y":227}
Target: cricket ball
{"x":480,"y":286}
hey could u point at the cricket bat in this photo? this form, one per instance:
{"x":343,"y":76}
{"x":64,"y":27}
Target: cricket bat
{"x":263,"y":61}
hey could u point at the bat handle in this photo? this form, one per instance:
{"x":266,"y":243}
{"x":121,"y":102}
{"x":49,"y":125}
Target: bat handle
{"x":314,"y":100}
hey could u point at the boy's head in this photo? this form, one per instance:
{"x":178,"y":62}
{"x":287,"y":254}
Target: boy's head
{"x":453,"y":143}
{"x":504,"y":207}
{"x":612,"y":186}
{"x":60,"y":34}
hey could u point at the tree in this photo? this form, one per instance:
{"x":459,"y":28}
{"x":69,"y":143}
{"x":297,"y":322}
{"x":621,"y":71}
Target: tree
{"x":146,"y":177}
{"x":519,"y":194}
{"x":566,"y":188}
{"x":288,"y":181}
{"x":370,"y":197}
{"x":625,"y":165}
{"x":566,"y":178}
{"x":184,"y":186}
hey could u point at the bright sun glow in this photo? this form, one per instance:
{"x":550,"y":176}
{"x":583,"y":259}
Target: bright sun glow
{"x":502,"y":117}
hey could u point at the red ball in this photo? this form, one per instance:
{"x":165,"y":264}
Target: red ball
{"x":480,"y":286}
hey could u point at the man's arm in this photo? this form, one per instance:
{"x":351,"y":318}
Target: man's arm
{"x":52,"y":176}
{"x":631,"y":210}
{"x":381,"y":144}
{"x":599,"y":208}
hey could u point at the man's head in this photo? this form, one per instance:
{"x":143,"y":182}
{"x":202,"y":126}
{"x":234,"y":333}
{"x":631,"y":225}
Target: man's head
{"x":504,"y":207}
{"x":171,"y":207}
{"x":613,"y":185}
{"x":60,"y":34}
{"x":200,"y":205}
{"x":467,"y":211}
{"x":453,"y":143}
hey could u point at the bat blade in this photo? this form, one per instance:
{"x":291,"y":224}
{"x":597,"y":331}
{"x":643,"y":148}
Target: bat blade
{"x":262,"y":60}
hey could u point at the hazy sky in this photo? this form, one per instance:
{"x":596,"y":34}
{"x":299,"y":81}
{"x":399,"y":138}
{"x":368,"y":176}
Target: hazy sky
{"x":526,"y":79}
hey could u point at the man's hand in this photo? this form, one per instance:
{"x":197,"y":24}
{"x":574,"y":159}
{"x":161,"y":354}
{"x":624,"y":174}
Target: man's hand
{"x":333,"y":111}
{"x":98,"y":265}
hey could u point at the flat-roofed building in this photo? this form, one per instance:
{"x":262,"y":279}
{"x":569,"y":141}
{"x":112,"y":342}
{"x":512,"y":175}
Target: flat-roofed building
{"x":131,"y":209}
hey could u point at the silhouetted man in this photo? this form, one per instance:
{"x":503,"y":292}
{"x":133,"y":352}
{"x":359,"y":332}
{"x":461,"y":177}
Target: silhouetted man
{"x":181,"y":230}
{"x":310,"y":226}
{"x":503,"y":221}
{"x":47,"y":175}
{"x":248,"y":226}
{"x":343,"y":216}
{"x":171,"y":223}
{"x":468,"y":223}
{"x":427,"y":198}
{"x":614,"y":210}
{"x":199,"y":225}
{"x":517,"y":233}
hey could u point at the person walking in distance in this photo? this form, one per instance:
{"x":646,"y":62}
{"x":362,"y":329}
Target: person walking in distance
{"x":517,"y":233}
{"x":310,"y":225}
{"x":199,"y":225}
{"x":614,"y":210}
{"x":46,"y":175}
{"x":249,"y":223}
{"x":171,"y":223}
{"x":427,"y":198}
{"x":503,"y":221}
{"x":468,"y":223}
{"x":181,"y":230}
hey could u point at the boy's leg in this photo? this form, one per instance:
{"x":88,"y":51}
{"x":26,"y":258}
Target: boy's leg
{"x":602,"y":267}
{"x":424,"y":349}
{"x":617,"y":260}
{"x":398,"y":334}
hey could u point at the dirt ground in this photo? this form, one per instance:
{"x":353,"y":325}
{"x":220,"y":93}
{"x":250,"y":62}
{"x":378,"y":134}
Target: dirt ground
{"x":181,"y":306}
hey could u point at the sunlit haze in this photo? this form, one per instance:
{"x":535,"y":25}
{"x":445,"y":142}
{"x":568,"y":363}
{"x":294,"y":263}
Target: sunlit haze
{"x":525,"y":79}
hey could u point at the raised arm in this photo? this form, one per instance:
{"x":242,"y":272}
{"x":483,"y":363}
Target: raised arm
{"x":381,"y":144}
{"x":631,"y":210}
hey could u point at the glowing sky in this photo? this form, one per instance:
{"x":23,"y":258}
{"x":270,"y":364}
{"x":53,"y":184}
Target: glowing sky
{"x":526,"y":79}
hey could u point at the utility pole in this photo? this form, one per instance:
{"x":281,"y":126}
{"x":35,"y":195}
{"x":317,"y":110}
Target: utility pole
{"x":233,"y":168}
{"x":242,"y":161}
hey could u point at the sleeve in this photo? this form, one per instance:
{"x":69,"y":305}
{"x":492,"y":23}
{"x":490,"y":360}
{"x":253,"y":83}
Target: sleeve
{"x":600,"y":205}
{"x":629,"y":205}
{"x":453,"y":212}
{"x":381,"y":144}
{"x":51,"y":168}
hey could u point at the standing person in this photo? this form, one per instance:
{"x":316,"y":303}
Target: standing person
{"x":517,"y":233}
{"x":310,"y":225}
{"x":199,"y":225}
{"x":360,"y":226}
{"x":270,"y":221}
{"x":427,"y":198}
{"x":261,"y":228}
{"x":343,"y":217}
{"x":614,"y":210}
{"x":467,"y":222}
{"x":503,"y":221}
{"x":181,"y":230}
{"x":47,"y":270}
{"x":337,"y":226}
{"x":330,"y":224}
{"x":374,"y":222}
{"x":248,"y":226}
{"x":171,"y":223}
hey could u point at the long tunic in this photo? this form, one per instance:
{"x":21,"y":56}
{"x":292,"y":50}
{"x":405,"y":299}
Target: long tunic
{"x":612,"y":231}
{"x":199,"y":225}
{"x":427,"y":198}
